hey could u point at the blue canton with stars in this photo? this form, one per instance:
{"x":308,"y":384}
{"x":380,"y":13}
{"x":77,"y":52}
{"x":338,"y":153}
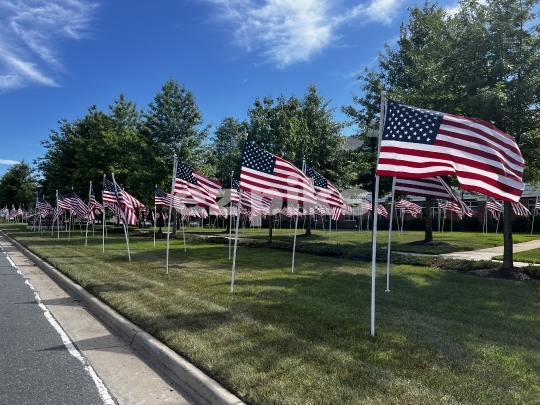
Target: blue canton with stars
{"x":258,"y":159}
{"x":411,"y":124}
{"x":318,"y":180}
{"x":184,"y":172}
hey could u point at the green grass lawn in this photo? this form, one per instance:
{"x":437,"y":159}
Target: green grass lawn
{"x":304,"y":338}
{"x":403,"y":242}
{"x":529,"y":256}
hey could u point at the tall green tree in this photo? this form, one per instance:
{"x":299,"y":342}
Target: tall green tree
{"x":18,"y":186}
{"x":226,"y":146}
{"x":482,"y":61}
{"x":174,"y":125}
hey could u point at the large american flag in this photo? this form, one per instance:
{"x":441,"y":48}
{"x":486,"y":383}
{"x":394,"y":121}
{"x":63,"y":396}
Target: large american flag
{"x":203,"y":190}
{"x":327,"y":193}
{"x":423,"y":143}
{"x":270,"y":176}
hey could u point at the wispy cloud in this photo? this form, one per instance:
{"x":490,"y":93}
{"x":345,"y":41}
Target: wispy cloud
{"x":8,"y":162}
{"x":291,"y":31}
{"x":30,"y":33}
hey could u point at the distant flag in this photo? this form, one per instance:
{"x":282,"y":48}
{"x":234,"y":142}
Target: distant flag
{"x":271,"y":176}
{"x":43,"y":207}
{"x":94,"y":207}
{"x":78,"y":207}
{"x":254,"y":202}
{"x":520,"y":210}
{"x":327,"y":193}
{"x":537,"y":205}
{"x":121,"y":202}
{"x":421,"y":143}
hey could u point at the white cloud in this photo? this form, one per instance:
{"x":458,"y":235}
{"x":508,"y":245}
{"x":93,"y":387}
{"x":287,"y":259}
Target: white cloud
{"x":8,"y":162}
{"x":291,"y":31}
{"x":30,"y":32}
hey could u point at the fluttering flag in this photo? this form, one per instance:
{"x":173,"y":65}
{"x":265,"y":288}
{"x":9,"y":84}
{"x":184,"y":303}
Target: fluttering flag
{"x":191,"y":184}
{"x":273,"y":177}
{"x":422,"y":143}
{"x":327,"y":193}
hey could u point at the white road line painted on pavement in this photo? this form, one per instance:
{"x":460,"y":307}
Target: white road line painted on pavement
{"x":103,"y":392}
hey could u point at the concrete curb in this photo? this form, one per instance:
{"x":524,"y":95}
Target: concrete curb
{"x":165,"y":358}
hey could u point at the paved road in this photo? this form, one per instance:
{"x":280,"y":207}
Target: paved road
{"x":128,"y":377}
{"x":35,"y":363}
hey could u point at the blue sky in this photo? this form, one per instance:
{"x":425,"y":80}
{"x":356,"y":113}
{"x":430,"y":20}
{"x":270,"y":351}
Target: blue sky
{"x":59,"y":57}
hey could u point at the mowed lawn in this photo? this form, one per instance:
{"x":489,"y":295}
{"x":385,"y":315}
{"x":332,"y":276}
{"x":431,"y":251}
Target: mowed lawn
{"x":304,"y":338}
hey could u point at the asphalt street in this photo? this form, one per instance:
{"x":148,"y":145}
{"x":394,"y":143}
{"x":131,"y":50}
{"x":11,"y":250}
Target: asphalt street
{"x":36,"y":366}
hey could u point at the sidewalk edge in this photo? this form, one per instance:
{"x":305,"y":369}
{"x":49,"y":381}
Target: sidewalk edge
{"x":161,"y":355}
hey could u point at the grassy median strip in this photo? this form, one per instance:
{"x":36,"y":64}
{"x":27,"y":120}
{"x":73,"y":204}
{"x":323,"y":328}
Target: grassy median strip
{"x":303,"y":338}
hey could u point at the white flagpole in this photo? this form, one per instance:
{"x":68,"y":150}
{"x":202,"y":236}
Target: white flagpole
{"x":155,"y":217}
{"x":88,"y":217}
{"x":390,"y":237}
{"x":238,"y":217}
{"x":374,"y":239}
{"x":103,"y":222}
{"x":170,"y":211}
{"x":534,"y":212}
{"x":484,"y":228}
{"x":58,"y":220}
{"x":230,"y":216}
{"x":57,"y":212}
{"x":294,"y":244}
{"x":69,"y":231}
{"x":34,"y":224}
{"x":123,"y":219}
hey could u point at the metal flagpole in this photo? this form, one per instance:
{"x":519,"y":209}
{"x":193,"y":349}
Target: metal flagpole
{"x":58,"y":220}
{"x":123,"y":219}
{"x":155,"y":217}
{"x":103,"y":221}
{"x":390,"y":237}
{"x":295,"y":233}
{"x":88,"y":217}
{"x":236,"y":238}
{"x":170,"y":211}
{"x":374,"y":239}
{"x":52,"y":227}
{"x":34,"y":224}
{"x":534,"y":212}
{"x":230,"y":216}
{"x":237,"y":225}
{"x":69,"y":231}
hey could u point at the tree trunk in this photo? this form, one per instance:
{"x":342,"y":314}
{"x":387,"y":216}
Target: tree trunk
{"x":508,"y":254}
{"x":308,"y":225}
{"x":429,"y":222}
{"x":270,"y":226}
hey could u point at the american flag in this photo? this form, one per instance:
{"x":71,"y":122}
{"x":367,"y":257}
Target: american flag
{"x":78,"y":207}
{"x":121,"y":202}
{"x":43,"y":207}
{"x":409,"y":206}
{"x":161,"y":198}
{"x":235,"y":188}
{"x":430,"y":187}
{"x":537,"y":205}
{"x":520,"y":210}
{"x":202,"y":190}
{"x":452,"y":206}
{"x":94,"y":207}
{"x":273,"y":177}
{"x":493,"y":205}
{"x":327,"y":193}
{"x":423,"y":143}
{"x":64,"y":203}
{"x":336,"y":213}
{"x":254,"y":202}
